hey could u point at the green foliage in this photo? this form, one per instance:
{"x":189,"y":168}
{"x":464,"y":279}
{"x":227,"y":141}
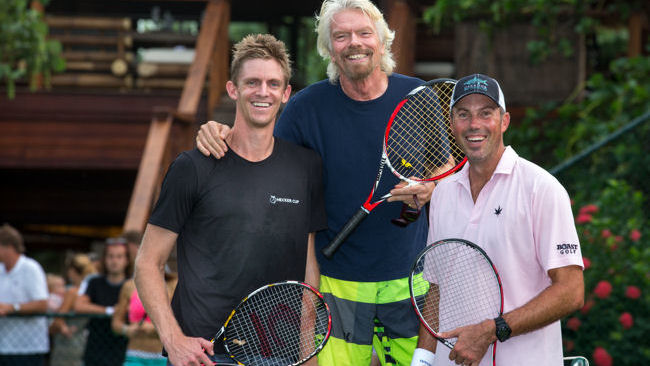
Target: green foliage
{"x":545,"y":15}
{"x":24,"y":50}
{"x":610,"y":102}
{"x":616,"y":250}
{"x":611,"y":193}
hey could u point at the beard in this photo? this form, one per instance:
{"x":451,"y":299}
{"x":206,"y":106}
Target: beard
{"x":356,"y":71}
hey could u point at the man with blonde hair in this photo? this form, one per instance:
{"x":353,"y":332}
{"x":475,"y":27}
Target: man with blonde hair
{"x":343,"y":119}
{"x":240,"y":222}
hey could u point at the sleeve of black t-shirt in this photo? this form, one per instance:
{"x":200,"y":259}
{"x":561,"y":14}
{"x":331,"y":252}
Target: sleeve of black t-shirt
{"x":177,"y":194}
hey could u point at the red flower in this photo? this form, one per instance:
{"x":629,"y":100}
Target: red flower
{"x":632,"y":292}
{"x":635,"y":235}
{"x":606,"y":233}
{"x":626,"y":320}
{"x":573,"y":323}
{"x":603,"y":289}
{"x":618,"y":239}
{"x":586,"y":262}
{"x":587,"y":306}
{"x":583,"y":218}
{"x":589,"y":209}
{"x":601,"y":357}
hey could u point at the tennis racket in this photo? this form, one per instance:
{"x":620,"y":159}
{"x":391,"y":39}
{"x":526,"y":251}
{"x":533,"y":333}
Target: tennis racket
{"x":453,"y":283}
{"x":418,"y":147}
{"x":279,"y":324}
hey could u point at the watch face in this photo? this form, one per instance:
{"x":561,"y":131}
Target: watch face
{"x":503,"y":330}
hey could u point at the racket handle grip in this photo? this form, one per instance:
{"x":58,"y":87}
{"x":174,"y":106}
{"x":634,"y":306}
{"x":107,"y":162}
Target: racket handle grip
{"x":349,"y":227}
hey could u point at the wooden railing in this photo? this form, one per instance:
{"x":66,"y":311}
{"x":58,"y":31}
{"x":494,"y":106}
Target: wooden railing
{"x":211,"y":58}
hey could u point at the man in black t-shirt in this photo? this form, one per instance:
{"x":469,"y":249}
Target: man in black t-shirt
{"x":240,"y":222}
{"x":103,"y":347}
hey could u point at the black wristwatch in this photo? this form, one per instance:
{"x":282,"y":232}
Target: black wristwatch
{"x":503,"y":330}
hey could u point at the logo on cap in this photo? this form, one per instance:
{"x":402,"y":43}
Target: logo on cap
{"x":476,"y":83}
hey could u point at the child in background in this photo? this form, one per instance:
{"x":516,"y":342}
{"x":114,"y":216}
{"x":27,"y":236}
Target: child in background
{"x":56,"y":288}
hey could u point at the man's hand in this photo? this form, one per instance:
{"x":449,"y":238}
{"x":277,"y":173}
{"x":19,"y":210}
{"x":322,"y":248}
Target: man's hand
{"x":404,"y":193}
{"x":6,"y":309}
{"x":473,"y":341}
{"x":211,"y":139}
{"x":189,"y":351}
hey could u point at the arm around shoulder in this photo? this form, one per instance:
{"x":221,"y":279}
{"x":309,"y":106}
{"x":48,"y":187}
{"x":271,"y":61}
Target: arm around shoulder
{"x":211,"y":138}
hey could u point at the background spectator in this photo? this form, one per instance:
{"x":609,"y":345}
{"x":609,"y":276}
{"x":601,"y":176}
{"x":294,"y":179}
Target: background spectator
{"x":133,"y":239}
{"x":68,"y":336}
{"x":131,"y":320}
{"x":103,"y":348}
{"x":56,"y":289}
{"x":23,"y":290}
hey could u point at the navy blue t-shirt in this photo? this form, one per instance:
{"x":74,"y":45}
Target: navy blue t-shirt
{"x":348,"y":135}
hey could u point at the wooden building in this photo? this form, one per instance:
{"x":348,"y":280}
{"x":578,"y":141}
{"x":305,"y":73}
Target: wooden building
{"x":83,"y":160}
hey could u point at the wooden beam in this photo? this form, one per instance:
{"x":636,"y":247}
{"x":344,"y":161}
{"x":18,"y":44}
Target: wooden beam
{"x":153,"y":162}
{"x":90,"y":80}
{"x":204,"y":45}
{"x":219,"y":66}
{"x":96,"y":56}
{"x":635,"y":29}
{"x":81,"y":22}
{"x":403,"y":22}
{"x":93,"y":40}
{"x":149,"y":173}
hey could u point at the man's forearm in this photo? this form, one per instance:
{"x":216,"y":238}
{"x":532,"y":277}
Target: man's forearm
{"x":30,"y":307}
{"x":563,"y":296}
{"x":86,"y":307}
{"x":150,"y":283}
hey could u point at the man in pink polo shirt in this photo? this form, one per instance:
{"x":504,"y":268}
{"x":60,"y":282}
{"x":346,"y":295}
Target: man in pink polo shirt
{"x":521,"y":216}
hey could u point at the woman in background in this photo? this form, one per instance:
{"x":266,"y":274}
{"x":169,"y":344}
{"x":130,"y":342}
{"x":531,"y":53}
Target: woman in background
{"x":68,"y":336}
{"x":131,"y":320}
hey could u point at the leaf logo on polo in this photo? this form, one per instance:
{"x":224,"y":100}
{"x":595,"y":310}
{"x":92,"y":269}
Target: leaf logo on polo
{"x":476,"y":83}
{"x":275,"y":200}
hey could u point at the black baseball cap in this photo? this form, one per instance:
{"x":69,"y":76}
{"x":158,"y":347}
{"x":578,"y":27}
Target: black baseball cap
{"x":478,"y":84}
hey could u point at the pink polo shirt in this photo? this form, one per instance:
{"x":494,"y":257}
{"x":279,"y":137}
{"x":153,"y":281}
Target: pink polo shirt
{"x":522,"y":218}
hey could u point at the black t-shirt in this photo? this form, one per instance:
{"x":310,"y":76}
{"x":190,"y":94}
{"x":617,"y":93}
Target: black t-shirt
{"x":101,"y":338}
{"x":241,"y":225}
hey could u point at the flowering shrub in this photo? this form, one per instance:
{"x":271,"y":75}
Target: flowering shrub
{"x":613,"y":325}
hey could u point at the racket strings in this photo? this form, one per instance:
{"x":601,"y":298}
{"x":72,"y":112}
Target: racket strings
{"x":424,"y":126}
{"x":420,"y":141}
{"x":458,"y":286}
{"x":280,"y":325}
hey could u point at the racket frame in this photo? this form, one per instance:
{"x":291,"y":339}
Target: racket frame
{"x":368,"y":205}
{"x":222,"y":330}
{"x":413,"y":295}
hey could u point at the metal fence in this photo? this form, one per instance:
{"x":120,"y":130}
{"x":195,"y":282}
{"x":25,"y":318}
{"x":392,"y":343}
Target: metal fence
{"x":90,"y":340}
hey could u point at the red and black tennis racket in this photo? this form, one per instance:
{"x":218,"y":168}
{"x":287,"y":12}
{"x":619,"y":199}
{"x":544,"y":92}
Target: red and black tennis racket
{"x":453,"y":284}
{"x":280,"y":324}
{"x":418,"y":147}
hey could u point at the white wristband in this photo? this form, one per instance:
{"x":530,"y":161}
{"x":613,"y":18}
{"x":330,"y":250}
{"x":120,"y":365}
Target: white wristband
{"x":109,"y":310}
{"x":422,"y":357}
